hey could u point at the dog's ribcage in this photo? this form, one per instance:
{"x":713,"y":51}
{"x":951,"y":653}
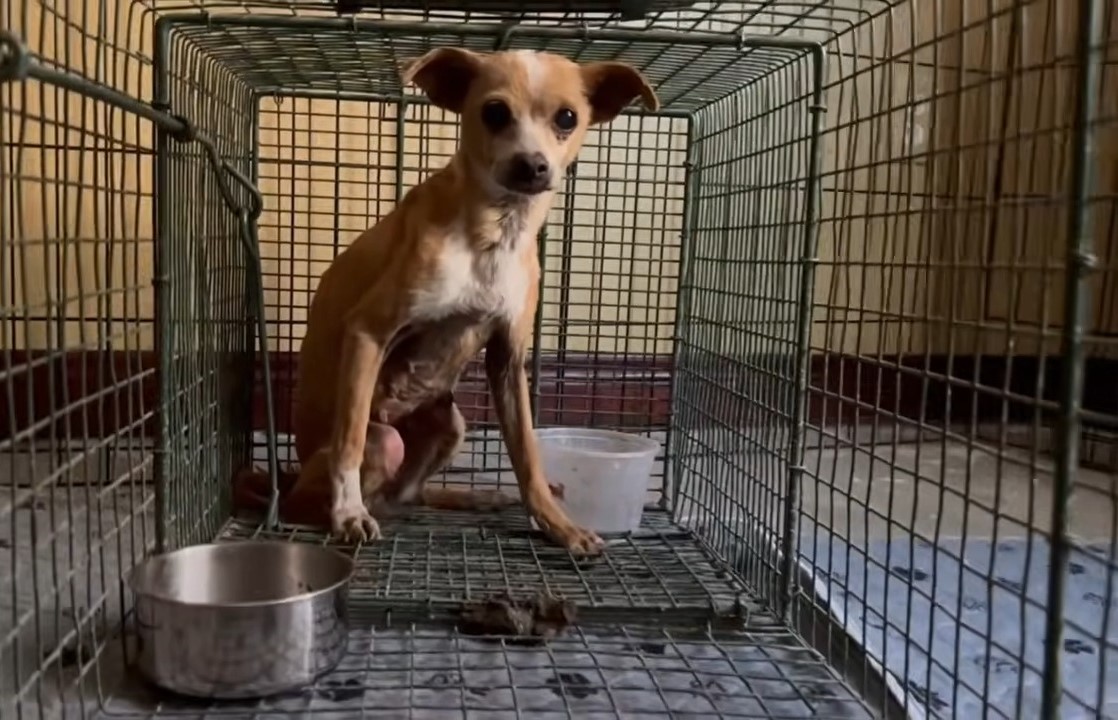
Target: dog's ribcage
{"x":452,"y":316}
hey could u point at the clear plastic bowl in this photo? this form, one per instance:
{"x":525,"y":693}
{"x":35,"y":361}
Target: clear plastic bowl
{"x":604,"y":475}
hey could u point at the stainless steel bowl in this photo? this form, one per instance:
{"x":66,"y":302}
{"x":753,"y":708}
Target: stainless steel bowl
{"x":241,"y":620}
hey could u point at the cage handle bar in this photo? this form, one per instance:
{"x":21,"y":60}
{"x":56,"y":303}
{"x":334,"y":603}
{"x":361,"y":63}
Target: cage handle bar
{"x":184,"y":131}
{"x":251,"y":248}
{"x":17,"y":63}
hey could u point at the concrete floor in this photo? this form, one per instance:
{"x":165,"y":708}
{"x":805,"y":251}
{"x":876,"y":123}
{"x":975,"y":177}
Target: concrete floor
{"x":938,"y":488}
{"x":947,"y":489}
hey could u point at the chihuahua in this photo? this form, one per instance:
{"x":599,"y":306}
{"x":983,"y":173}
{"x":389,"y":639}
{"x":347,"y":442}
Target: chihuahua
{"x":451,"y":271}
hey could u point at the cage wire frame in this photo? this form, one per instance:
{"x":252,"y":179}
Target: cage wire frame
{"x":792,"y":49}
{"x":1080,"y":262}
{"x":502,"y":36}
{"x":234,"y":190}
{"x":247,"y":214}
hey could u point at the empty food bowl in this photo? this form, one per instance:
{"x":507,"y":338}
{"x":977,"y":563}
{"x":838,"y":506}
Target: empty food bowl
{"x":240,"y":620}
{"x":604,"y":475}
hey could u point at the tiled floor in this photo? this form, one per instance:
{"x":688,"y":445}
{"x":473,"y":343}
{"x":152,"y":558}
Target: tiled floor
{"x":949,"y":489}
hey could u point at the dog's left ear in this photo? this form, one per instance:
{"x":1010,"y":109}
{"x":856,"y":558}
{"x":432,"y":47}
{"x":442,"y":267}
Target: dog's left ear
{"x":444,"y":75}
{"x":611,"y":86}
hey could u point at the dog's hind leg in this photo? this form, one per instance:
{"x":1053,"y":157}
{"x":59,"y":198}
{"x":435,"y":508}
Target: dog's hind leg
{"x":309,"y":501}
{"x":432,"y":435}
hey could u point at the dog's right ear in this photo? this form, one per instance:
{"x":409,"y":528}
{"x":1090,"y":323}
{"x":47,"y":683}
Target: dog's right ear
{"x":444,"y":75}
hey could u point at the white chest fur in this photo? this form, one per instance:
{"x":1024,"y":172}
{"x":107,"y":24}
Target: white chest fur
{"x":493,"y":283}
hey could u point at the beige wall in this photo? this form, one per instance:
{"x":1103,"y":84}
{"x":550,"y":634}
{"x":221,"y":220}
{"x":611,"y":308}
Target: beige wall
{"x":900,"y":240}
{"x":79,"y":199}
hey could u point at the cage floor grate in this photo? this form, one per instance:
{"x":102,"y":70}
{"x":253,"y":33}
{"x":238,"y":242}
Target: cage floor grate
{"x":430,"y":563}
{"x":605,"y":672}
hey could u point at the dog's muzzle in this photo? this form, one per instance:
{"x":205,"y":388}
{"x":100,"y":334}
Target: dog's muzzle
{"x":528,"y":174}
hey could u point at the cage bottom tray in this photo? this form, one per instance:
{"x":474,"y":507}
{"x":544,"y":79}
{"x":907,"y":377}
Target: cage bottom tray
{"x":595,"y":673}
{"x":430,"y":563}
{"x":626,"y":658}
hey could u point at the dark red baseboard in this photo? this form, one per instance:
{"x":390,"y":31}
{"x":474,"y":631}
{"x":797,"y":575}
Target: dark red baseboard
{"x":77,"y":394}
{"x":946,"y":390}
{"x":99,"y":393}
{"x":605,"y":390}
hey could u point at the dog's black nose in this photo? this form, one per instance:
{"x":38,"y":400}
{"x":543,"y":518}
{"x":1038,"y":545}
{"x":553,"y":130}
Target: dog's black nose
{"x":529,"y":172}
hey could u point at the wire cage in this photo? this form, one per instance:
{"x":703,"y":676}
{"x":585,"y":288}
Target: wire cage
{"x":890,"y":446}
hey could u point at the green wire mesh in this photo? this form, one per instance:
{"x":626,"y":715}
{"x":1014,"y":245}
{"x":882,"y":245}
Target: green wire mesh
{"x":959,"y":359}
{"x":329,"y":57}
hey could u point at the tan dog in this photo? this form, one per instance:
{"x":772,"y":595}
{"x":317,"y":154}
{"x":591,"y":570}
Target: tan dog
{"x":450,"y":271}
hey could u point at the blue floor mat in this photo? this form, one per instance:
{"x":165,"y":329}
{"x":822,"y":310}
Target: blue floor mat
{"x":974,"y":630}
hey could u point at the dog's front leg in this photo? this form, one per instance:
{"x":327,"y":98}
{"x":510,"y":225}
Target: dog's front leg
{"x":363,"y":349}
{"x":508,"y":381}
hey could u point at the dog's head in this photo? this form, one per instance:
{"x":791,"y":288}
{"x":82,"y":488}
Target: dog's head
{"x":525,"y":114}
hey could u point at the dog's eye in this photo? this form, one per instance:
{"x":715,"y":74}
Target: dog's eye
{"x":566,"y":120}
{"x":496,"y":115}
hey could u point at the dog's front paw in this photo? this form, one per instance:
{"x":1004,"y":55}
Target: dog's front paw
{"x":354,"y":524}
{"x":559,"y":529}
{"x":350,"y":520}
{"x":578,"y":541}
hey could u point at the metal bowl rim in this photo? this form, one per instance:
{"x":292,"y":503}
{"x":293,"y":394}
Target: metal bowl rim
{"x":291,"y":599}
